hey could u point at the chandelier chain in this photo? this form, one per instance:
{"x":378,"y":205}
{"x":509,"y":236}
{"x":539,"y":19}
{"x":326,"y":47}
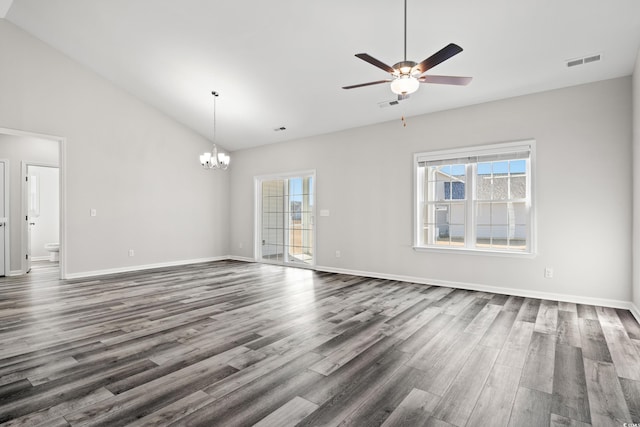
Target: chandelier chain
{"x":215,"y":96}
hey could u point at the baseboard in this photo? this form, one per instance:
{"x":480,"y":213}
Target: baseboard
{"x":240,"y":258}
{"x":627,"y":305}
{"x":39,"y":258}
{"x":635,"y":311}
{"x":16,"y":273}
{"x":129,"y":269}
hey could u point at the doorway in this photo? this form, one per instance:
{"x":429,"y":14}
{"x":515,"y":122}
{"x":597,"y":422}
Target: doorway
{"x":41,"y":197}
{"x":4,"y":207}
{"x":285,"y":214}
{"x":22,"y":148}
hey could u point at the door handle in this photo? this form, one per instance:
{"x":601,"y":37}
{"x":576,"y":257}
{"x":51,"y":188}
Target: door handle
{"x":32,"y":223}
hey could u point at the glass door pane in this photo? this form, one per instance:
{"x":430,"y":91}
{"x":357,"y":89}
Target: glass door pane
{"x":272,"y":220}
{"x":300,"y":217}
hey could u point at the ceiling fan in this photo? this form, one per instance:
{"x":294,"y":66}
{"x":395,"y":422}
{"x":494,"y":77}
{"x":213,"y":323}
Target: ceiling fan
{"x":406,"y":76}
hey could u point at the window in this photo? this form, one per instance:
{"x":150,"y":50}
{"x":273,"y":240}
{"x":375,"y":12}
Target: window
{"x":477,"y":198}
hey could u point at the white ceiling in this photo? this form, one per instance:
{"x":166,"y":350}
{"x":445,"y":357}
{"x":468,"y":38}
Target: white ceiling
{"x":283,"y":62}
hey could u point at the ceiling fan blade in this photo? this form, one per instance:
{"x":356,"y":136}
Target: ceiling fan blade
{"x":446,"y":80}
{"x":366,"y":84}
{"x":373,"y":61}
{"x":440,"y":56}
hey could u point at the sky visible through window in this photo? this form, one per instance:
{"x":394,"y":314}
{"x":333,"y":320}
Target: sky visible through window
{"x":505,"y":167}
{"x":296,"y":190}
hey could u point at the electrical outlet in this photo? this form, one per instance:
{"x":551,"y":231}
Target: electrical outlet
{"x":93,"y":212}
{"x":240,"y":245}
{"x":131,"y":252}
{"x":548,"y":272}
{"x":338,"y":254}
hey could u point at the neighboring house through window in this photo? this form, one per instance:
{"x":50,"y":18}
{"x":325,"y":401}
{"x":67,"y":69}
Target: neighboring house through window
{"x":476,"y":198}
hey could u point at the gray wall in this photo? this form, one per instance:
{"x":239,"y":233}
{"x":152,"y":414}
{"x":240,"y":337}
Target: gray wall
{"x":133,"y":164}
{"x":636,"y":184}
{"x":18,"y":149}
{"x":364,"y":177}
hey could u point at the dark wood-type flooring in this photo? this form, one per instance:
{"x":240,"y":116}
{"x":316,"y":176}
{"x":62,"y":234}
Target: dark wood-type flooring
{"x":237,"y":344}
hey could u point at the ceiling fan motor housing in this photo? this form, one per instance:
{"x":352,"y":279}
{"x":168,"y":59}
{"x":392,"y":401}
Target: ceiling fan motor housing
{"x":406,"y":68}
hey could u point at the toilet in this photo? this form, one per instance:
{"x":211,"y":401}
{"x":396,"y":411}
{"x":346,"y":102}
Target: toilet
{"x":54,"y":251}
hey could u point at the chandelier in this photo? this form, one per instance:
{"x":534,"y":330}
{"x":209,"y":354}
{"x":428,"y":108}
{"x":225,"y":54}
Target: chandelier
{"x":215,"y":159}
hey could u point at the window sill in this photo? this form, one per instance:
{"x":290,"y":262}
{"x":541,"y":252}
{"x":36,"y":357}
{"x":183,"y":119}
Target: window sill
{"x":481,"y":252}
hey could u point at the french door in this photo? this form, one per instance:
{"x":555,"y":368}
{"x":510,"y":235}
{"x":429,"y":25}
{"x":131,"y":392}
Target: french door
{"x":285,"y":219}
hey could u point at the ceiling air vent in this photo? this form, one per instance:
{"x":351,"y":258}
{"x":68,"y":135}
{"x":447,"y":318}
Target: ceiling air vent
{"x":384,"y":104}
{"x":584,"y":60}
{"x":593,"y":58}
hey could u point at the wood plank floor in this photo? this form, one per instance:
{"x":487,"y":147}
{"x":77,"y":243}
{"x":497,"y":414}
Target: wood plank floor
{"x":238,"y":344}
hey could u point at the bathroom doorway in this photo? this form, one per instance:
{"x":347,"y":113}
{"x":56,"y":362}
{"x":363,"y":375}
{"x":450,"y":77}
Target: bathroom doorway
{"x":22,"y":150}
{"x":42,"y":197}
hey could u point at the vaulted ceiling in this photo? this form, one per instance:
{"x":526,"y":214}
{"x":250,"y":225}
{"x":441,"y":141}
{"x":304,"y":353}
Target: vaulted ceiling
{"x":283,"y":62}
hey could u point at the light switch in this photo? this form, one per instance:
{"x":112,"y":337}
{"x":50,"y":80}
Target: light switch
{"x":324,"y":212}
{"x":94,"y":212}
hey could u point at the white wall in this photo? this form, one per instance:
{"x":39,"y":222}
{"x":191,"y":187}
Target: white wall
{"x":46,"y":228}
{"x":364,"y":177}
{"x":133,"y":164}
{"x":636,"y":185}
{"x":18,"y":149}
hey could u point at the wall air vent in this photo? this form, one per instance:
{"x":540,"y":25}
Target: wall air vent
{"x":583,"y":60}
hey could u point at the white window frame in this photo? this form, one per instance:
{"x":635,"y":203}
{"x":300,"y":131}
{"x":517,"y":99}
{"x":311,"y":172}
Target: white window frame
{"x":470,"y":197}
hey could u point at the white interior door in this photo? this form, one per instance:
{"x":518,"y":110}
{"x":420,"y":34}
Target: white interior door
{"x":3,"y":222}
{"x":31,"y":185}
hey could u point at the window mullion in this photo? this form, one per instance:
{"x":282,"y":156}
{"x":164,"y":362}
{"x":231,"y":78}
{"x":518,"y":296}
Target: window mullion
{"x":470,"y":196}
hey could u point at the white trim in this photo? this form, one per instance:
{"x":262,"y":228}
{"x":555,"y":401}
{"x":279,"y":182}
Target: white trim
{"x":286,"y":175}
{"x":627,"y":305}
{"x":15,"y":273}
{"x":7,"y":213}
{"x":240,"y":258}
{"x":635,"y":311}
{"x":39,"y":258}
{"x":477,"y":150}
{"x":129,"y":269}
{"x":62,"y":161}
{"x":468,"y":251}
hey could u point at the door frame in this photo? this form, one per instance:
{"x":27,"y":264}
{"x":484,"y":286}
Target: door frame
{"x":62,"y":167}
{"x":24,"y":195}
{"x":7,"y":209}
{"x":257,"y":247}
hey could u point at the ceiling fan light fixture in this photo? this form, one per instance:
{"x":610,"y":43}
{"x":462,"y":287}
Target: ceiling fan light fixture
{"x":404,"y":85}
